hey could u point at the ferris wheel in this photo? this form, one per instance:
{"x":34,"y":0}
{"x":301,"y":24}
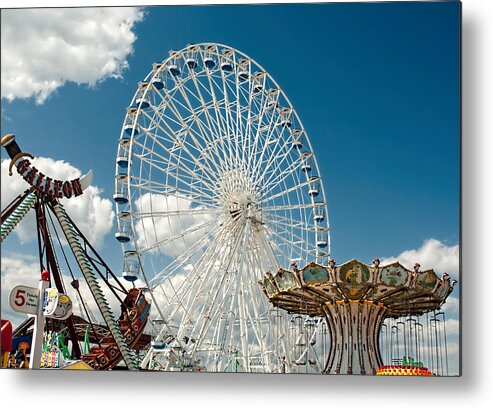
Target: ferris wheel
{"x":216,"y":183}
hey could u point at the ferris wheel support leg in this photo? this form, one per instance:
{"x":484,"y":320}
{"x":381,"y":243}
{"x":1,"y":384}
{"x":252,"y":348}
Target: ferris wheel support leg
{"x":213,"y":301}
{"x":269,"y":254}
{"x":244,"y":329}
{"x":147,"y":359}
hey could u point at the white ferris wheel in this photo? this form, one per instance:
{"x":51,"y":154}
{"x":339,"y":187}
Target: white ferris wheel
{"x":217,"y":183}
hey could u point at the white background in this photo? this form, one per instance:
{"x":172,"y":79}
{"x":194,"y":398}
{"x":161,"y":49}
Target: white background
{"x":473,"y":389}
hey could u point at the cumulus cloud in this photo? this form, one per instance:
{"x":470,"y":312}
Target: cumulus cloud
{"x":452,"y":326}
{"x":451,"y":305}
{"x":174,"y":227}
{"x":92,"y":213}
{"x":17,"y":270}
{"x":42,"y":49}
{"x":433,"y":254}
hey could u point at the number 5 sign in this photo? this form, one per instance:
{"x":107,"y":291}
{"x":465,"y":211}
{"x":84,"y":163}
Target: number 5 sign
{"x":24,"y":299}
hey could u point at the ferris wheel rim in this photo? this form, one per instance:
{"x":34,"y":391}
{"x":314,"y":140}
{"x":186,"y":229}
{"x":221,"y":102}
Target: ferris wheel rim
{"x":180,"y":52}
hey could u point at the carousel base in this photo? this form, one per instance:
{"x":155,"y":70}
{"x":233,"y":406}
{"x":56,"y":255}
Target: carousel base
{"x":355,"y":326}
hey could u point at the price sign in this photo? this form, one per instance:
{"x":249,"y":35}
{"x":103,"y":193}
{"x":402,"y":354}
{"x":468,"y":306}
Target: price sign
{"x":24,"y":299}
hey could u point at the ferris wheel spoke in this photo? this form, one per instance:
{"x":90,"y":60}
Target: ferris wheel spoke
{"x":230,"y":123}
{"x":239,"y":120}
{"x":156,"y":191}
{"x":270,"y":208}
{"x":204,"y":283}
{"x":286,"y":154}
{"x":283,"y":229}
{"x":223,"y":132}
{"x":242,"y":122}
{"x":268,"y":122}
{"x":275,"y":141}
{"x":220,"y":118}
{"x":274,"y":162}
{"x":228,"y":331}
{"x":249,"y":148}
{"x":256,"y":145}
{"x":288,"y":229}
{"x":213,"y":296}
{"x":204,"y":133}
{"x":178,"y":213}
{"x":232,"y":293}
{"x":179,"y":188}
{"x":266,"y":249}
{"x":228,"y":334}
{"x":214,"y":313}
{"x":180,"y":261}
{"x":233,"y":113}
{"x":272,"y":128}
{"x":259,"y":309}
{"x":287,"y":191}
{"x":178,"y":236}
{"x":193,"y":178}
{"x":213,"y":126}
{"x":287,"y":243}
{"x":208,"y":172}
{"x":149,"y":193}
{"x":245,"y":322}
{"x":261,"y":122}
{"x":275,"y":175}
{"x":219,"y":236}
{"x":173,"y":152}
{"x":287,"y":176}
{"x":289,"y":221}
{"x":255,"y":324}
{"x":182,"y":304}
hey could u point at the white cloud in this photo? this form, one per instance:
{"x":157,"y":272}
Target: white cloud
{"x":451,"y":305}
{"x":92,"y":214}
{"x":433,"y":254}
{"x":173,"y":227}
{"x":17,"y":270}
{"x":452,"y":327}
{"x":42,"y":49}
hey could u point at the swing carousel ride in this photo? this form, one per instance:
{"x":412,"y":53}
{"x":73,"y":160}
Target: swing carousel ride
{"x":355,"y":299}
{"x":216,"y":183}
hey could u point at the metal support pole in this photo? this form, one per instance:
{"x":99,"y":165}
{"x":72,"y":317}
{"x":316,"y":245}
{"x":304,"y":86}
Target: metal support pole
{"x":39,"y":323}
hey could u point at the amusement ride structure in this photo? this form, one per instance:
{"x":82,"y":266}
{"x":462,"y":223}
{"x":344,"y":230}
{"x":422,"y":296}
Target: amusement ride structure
{"x":216,"y":182}
{"x":355,"y":299}
{"x":44,"y":197}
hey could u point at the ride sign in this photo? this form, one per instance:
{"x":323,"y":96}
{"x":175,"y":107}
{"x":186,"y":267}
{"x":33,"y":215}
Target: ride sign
{"x":56,"y":305}
{"x":43,"y":184}
{"x":24,"y":299}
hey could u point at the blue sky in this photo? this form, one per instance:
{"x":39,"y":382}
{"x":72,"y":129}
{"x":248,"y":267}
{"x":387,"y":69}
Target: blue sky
{"x":376,"y":86}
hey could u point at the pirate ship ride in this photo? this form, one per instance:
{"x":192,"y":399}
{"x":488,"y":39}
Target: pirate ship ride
{"x":117,"y":339}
